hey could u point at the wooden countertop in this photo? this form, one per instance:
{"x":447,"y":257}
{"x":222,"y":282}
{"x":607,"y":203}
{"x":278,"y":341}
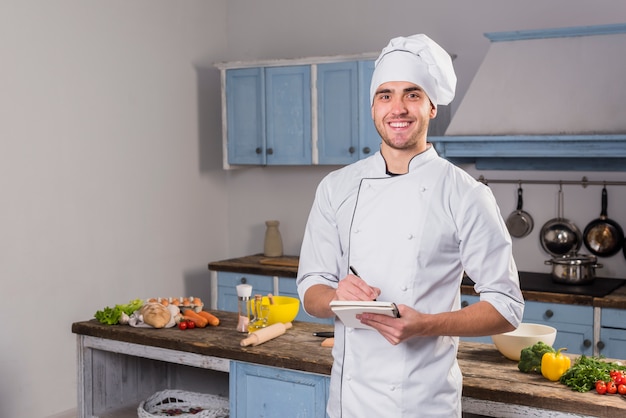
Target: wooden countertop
{"x":487,"y":374}
{"x":252,"y":265}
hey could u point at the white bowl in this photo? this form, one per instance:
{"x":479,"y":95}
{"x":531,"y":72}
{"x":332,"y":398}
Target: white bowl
{"x":511,"y":344}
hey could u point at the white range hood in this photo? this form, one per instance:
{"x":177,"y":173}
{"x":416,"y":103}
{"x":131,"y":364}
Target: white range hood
{"x":545,"y":99}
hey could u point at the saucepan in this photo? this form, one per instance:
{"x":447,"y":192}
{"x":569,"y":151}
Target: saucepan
{"x":520,"y":223}
{"x":560,"y":236}
{"x":603,"y":236}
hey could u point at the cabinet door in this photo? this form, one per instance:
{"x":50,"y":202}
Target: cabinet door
{"x":287,"y":287}
{"x":574,"y":324}
{"x":467,"y":300}
{"x":227,"y":290}
{"x":261,"y":391}
{"x":288,"y":115}
{"x":245,"y":112}
{"x":337,"y":113}
{"x":612,"y":342}
{"x":369,"y":138}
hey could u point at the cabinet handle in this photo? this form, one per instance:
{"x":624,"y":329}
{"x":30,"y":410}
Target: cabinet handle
{"x":587,"y":343}
{"x":549,"y":313}
{"x":464,"y":304}
{"x":258,"y":150}
{"x":243,"y":280}
{"x":270,"y":151}
{"x":600,"y":345}
{"x":351,"y":150}
{"x":366,"y":150}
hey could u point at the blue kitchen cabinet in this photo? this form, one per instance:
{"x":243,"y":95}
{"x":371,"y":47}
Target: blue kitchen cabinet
{"x":262,"y":391}
{"x":345,"y":130}
{"x":467,"y":300}
{"x":612,"y":342}
{"x":268,"y":115}
{"x":574,"y":324}
{"x":227,"y":288}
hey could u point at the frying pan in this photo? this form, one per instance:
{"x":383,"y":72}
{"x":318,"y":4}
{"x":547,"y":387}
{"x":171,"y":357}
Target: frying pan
{"x":560,"y":236}
{"x":519,"y":223}
{"x":603,"y":236}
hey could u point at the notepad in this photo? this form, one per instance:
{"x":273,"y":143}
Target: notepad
{"x":347,"y":310}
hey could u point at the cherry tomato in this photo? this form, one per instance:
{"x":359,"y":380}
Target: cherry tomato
{"x":611,"y":387}
{"x":621,"y":389}
{"x":182,"y":325}
{"x":600,"y":387}
{"x":191,"y":325}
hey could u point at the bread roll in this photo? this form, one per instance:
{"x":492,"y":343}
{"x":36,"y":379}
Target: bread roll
{"x":155,"y":314}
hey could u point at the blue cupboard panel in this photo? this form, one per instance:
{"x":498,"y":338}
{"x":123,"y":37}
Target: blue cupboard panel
{"x":614,"y":318}
{"x":370,"y":140}
{"x":614,"y":343}
{"x":288,"y":110}
{"x":544,"y":312}
{"x":261,"y":391}
{"x":227,"y":291}
{"x":338,"y":128}
{"x":246,"y":116}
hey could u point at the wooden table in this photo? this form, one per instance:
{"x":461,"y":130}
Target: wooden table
{"x":492,"y":384}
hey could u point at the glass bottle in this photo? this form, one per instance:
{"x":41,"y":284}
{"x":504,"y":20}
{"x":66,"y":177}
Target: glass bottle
{"x":259,"y":314}
{"x":244,"y":291}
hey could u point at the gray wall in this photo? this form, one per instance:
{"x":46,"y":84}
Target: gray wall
{"x":110,"y":152}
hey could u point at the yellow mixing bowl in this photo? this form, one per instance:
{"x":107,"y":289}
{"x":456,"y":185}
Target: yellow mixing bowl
{"x":285,"y":309}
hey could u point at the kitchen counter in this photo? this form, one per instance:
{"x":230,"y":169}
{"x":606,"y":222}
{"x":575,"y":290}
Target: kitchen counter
{"x":615,"y":299}
{"x":492,"y":384}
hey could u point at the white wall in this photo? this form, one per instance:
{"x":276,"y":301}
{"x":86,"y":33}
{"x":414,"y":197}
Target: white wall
{"x":110,"y":152}
{"x":111,"y":182}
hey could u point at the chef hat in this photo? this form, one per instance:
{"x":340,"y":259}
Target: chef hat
{"x":419,"y":60}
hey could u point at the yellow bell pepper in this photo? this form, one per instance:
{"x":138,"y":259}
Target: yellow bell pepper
{"x":554,"y":365}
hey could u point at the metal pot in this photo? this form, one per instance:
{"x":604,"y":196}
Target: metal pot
{"x":560,"y":236}
{"x":574,"y":269}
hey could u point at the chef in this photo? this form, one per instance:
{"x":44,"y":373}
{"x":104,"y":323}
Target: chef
{"x":409,"y":223}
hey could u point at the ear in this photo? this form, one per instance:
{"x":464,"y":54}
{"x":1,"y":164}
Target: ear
{"x":433,"y":111}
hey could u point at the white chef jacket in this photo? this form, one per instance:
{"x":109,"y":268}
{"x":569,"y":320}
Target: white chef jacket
{"x":412,"y":236}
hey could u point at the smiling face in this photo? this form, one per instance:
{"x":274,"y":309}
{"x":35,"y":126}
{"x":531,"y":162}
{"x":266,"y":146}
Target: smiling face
{"x":401,"y":112}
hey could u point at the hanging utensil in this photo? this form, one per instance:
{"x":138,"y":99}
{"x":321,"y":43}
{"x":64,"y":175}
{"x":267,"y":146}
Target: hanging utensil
{"x":520,"y":223}
{"x":560,"y":236}
{"x":603,"y":236}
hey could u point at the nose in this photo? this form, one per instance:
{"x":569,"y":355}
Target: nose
{"x":398,"y":107}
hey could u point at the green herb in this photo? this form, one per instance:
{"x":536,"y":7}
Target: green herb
{"x":586,"y":371}
{"x":530,"y":357}
{"x":111,"y":316}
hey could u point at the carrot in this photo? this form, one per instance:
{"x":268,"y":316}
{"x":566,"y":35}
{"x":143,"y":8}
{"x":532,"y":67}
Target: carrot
{"x":197,"y":319}
{"x":213,"y":320}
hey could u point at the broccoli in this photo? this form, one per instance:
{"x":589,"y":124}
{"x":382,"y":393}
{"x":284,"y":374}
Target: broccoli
{"x":530,"y":357}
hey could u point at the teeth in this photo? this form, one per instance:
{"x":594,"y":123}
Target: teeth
{"x":399,"y":124}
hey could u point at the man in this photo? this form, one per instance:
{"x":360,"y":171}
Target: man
{"x":410,"y":223}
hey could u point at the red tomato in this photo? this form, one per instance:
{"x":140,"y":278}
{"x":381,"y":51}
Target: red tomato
{"x":611,"y":387}
{"x":182,"y":325}
{"x":191,"y":325}
{"x":621,"y":389}
{"x":600,"y":387}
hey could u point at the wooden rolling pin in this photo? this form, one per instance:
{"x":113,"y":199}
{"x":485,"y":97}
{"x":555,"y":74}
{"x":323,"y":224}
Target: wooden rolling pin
{"x":265,"y":334}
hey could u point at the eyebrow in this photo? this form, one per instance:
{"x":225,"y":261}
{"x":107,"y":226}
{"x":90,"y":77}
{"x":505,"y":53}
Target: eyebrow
{"x":406,"y":90}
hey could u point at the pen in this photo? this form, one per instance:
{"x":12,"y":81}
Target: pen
{"x":356,"y":273}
